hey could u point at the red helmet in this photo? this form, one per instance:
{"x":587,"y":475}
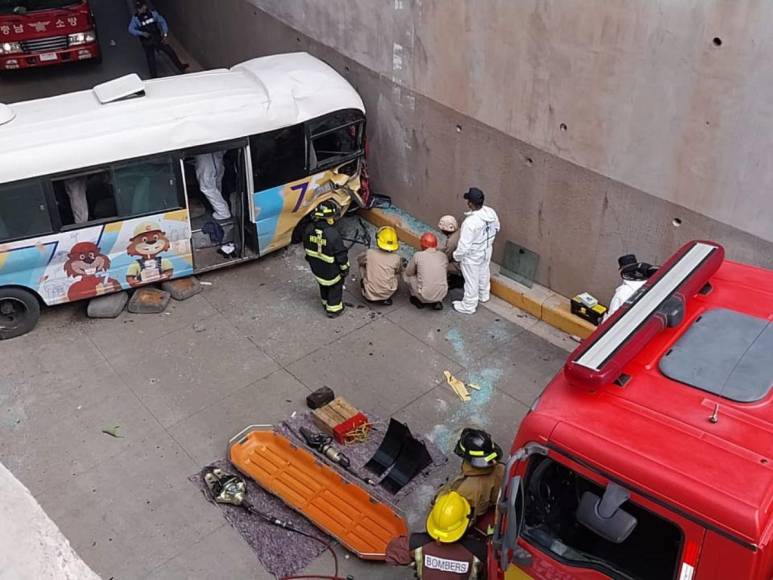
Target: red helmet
{"x":428,"y":240}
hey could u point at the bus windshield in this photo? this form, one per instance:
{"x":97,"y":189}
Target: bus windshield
{"x":24,"y":6}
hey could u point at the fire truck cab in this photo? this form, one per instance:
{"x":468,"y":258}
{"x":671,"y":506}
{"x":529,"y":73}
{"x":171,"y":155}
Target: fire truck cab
{"x":37,"y":33}
{"x":650,"y":456}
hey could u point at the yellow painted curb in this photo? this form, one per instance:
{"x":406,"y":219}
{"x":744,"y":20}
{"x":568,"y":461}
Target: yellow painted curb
{"x":539,"y":302}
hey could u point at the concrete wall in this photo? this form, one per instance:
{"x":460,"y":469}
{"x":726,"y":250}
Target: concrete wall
{"x":591,"y":124}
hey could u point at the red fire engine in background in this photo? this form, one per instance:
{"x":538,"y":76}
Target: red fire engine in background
{"x":45,"y":32}
{"x":650,"y":456}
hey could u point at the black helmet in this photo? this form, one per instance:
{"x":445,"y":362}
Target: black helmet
{"x":476,"y":446}
{"x":326,"y":210}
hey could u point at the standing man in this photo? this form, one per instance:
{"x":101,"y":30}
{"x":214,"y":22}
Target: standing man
{"x":327,"y":256}
{"x":473,"y":253}
{"x":380,"y":267}
{"x":209,"y":173}
{"x":634,"y":274}
{"x":152,"y":30}
{"x":427,"y":274}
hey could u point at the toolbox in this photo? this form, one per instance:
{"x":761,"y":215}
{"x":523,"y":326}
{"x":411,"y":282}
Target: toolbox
{"x":588,"y":308}
{"x":338,"y":418}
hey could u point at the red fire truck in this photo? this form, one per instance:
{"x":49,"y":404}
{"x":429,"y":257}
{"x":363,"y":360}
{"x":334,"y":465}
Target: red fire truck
{"x":45,"y":32}
{"x":650,"y":456}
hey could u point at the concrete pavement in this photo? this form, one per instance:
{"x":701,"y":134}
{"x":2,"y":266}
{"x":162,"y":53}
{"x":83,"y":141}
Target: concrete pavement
{"x":248,"y":349}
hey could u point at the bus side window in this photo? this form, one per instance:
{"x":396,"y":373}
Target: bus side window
{"x":23,"y":210}
{"x":84,"y":198}
{"x":278,"y":157}
{"x":144,"y":187}
{"x":335,"y":138}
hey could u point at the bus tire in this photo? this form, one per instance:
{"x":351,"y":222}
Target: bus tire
{"x":19,"y":312}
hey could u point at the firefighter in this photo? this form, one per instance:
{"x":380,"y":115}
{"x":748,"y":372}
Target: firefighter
{"x":380,"y":267}
{"x":473,"y":253}
{"x":152,"y":30}
{"x":327,"y":256}
{"x":481,"y":471}
{"x":427,"y":274}
{"x":446,"y":551}
{"x":634,"y":274}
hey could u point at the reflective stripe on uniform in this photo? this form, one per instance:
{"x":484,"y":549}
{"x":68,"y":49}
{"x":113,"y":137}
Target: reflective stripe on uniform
{"x":320,"y":256}
{"x":345,"y":266}
{"x":418,"y":558}
{"x":333,"y":282}
{"x":335,"y":307}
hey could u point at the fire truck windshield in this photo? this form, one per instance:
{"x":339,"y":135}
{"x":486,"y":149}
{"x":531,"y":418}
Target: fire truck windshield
{"x":24,"y":6}
{"x":553,"y":493}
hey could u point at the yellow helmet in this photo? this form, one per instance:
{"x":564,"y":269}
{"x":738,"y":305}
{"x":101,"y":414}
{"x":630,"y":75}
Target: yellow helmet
{"x":449,"y":518}
{"x":386,"y":239}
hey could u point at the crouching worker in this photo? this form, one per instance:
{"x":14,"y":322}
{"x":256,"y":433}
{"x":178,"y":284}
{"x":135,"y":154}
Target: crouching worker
{"x":450,"y":228}
{"x":427,"y":274}
{"x":327,"y":256}
{"x":446,"y":551}
{"x":380,"y":267}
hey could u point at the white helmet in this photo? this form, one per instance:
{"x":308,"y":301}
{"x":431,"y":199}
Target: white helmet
{"x":448,"y":223}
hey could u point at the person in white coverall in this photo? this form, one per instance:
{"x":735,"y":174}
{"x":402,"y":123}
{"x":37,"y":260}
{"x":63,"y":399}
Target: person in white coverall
{"x":209,"y":172}
{"x":634,"y":275}
{"x":473,"y":253}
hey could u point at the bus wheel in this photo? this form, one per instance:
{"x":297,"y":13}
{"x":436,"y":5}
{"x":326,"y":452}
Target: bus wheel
{"x":19,"y":312}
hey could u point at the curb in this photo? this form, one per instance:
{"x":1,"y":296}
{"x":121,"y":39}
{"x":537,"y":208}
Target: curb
{"x":540,"y":302}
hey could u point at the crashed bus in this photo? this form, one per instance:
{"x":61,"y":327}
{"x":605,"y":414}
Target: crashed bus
{"x":100,"y":189}
{"x":650,"y":455}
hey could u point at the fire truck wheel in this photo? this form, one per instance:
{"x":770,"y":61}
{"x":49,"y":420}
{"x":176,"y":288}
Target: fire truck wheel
{"x":19,"y":312}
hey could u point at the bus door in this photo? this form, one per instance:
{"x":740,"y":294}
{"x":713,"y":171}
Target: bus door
{"x":559,"y":519}
{"x":216,"y":185}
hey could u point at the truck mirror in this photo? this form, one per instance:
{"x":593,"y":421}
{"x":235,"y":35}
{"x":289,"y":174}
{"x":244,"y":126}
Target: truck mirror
{"x":511,"y":506}
{"x":604,"y":516}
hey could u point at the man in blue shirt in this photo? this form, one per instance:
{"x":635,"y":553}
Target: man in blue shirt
{"x":152,"y":30}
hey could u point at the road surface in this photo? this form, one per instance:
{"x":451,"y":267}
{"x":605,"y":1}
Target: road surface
{"x":122,"y":55}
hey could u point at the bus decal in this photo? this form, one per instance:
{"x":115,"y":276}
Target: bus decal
{"x":99,"y":259}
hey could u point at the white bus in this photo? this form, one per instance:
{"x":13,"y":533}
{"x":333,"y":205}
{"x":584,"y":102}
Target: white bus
{"x":111,"y":188}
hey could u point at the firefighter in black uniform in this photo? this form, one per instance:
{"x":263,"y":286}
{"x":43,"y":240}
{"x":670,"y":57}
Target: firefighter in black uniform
{"x":327,"y":256}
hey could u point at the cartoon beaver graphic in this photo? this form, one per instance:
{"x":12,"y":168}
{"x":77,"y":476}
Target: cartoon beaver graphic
{"x":86,"y":260}
{"x":146,"y":244}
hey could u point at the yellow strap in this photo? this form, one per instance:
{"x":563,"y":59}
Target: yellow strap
{"x":332,"y":282}
{"x":476,"y":453}
{"x":491,"y":456}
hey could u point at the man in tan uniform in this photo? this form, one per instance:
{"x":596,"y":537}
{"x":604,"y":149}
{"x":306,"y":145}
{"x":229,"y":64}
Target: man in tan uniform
{"x":380,"y":267}
{"x":450,"y":227}
{"x":481,"y":474}
{"x":427,"y":274}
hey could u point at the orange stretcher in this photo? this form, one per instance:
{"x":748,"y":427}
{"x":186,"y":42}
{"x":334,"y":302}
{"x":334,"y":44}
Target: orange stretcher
{"x":341,"y":508}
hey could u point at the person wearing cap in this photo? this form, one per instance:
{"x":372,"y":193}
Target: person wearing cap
{"x":634,"y":274}
{"x":427,"y":274}
{"x":152,"y":31}
{"x":380,"y":267}
{"x":481,"y":472}
{"x":476,"y":241}
{"x":450,"y":228}
{"x":327,"y":256}
{"x":447,"y":550}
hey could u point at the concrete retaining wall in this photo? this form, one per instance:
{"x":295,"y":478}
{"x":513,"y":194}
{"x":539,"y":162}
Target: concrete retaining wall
{"x":594,"y":127}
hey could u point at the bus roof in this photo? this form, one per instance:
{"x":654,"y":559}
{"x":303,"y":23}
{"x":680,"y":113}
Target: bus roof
{"x":72,"y":131}
{"x":658,"y":435}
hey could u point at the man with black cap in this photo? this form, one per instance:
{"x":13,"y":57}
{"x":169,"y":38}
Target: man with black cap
{"x":152,"y":30}
{"x":476,"y":240}
{"x":634,"y":275}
